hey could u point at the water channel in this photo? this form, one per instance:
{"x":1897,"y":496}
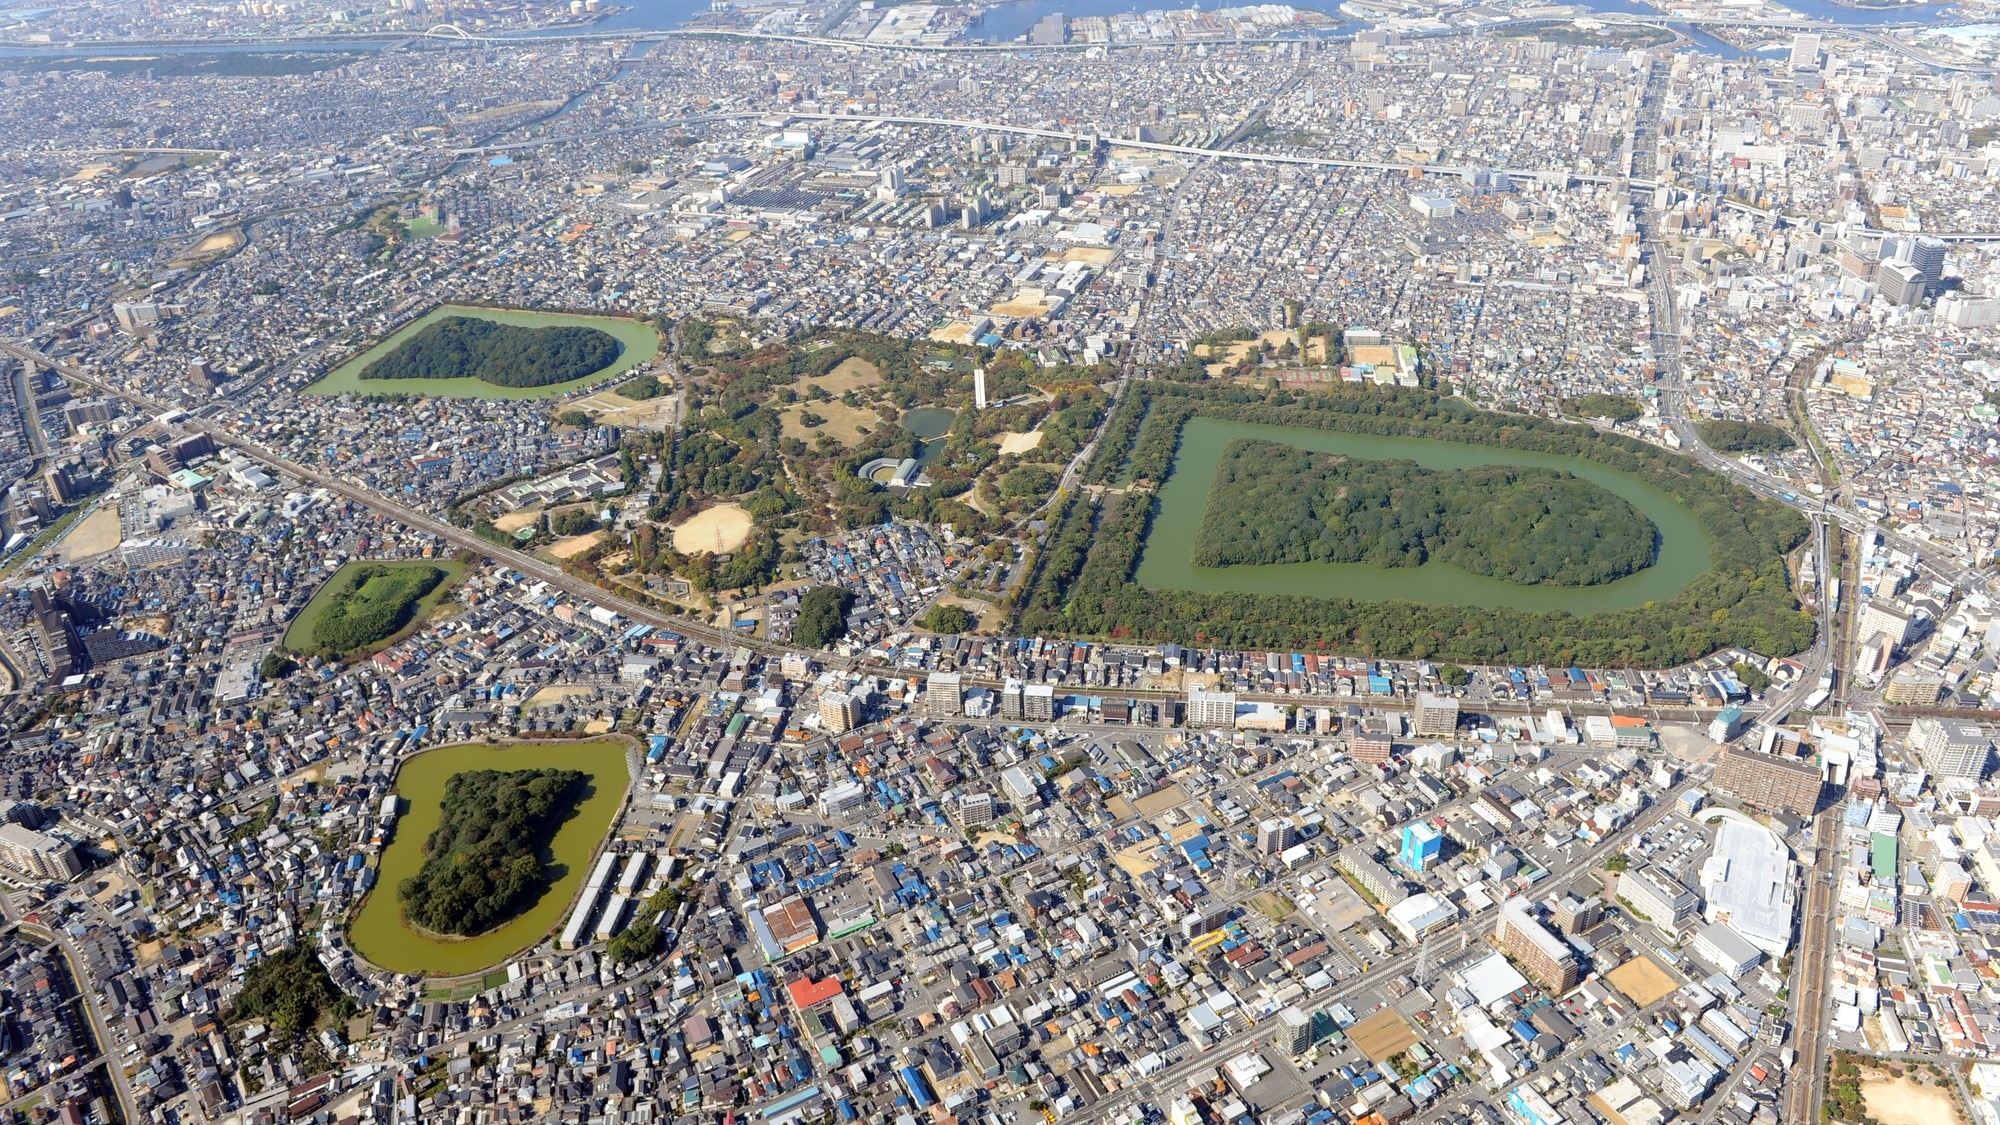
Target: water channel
{"x":379,"y":933}
{"x":1166,"y":562}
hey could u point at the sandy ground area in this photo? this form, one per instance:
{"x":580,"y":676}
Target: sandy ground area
{"x":1094,"y":255}
{"x":550,"y":696}
{"x":93,"y":535}
{"x":515,"y":521}
{"x":1687,"y":743}
{"x":575,"y":545}
{"x":1643,"y":981}
{"x":843,"y":424}
{"x":853,"y":374}
{"x":1903,"y":1102}
{"x":1020,"y":443}
{"x":613,"y":409}
{"x":1029,"y":302}
{"x":1383,"y":1035}
{"x":718,"y":530}
{"x":215,"y":243}
{"x":1233,"y":354}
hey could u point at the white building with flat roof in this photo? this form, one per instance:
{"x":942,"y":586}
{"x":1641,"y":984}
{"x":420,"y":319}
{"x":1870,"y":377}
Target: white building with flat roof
{"x":1726,"y":950}
{"x":1750,"y":882}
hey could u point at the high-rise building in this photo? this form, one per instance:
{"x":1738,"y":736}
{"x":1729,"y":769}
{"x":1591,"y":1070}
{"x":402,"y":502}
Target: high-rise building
{"x":1805,"y":51}
{"x":1657,"y":896}
{"x":1038,"y":703}
{"x":1573,"y":915}
{"x":1294,"y":1030}
{"x":61,"y":485}
{"x":38,"y":854}
{"x":1912,"y":687}
{"x":1901,"y":283}
{"x":1436,"y":716}
{"x":1211,"y":708}
{"x":1421,"y":845}
{"x":1926,"y":252}
{"x":944,"y":694}
{"x":1771,"y":782}
{"x":1885,"y":616}
{"x":1544,"y":954}
{"x":1275,"y":835}
{"x":1954,"y":748}
{"x":1010,"y":699}
{"x":1371,"y":876}
{"x":839,"y":712}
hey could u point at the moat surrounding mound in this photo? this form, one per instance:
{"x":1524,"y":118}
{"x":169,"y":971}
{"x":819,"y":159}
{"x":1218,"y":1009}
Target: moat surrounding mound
{"x":484,"y":864}
{"x":505,"y":355}
{"x":1275,"y":503}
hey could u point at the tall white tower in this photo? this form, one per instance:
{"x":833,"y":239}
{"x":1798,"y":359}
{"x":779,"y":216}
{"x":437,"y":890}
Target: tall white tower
{"x":979,"y":388}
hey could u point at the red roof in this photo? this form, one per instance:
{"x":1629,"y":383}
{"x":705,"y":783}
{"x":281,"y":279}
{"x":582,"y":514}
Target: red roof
{"x":806,"y":992}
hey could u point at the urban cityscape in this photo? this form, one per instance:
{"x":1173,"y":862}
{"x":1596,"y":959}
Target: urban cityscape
{"x":815,"y":561}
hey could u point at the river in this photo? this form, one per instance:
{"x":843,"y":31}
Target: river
{"x":1166,"y":562}
{"x":378,"y":932}
{"x":1010,"y":20}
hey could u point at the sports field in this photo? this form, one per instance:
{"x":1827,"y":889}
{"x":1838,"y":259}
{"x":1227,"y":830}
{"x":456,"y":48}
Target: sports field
{"x":638,"y":343}
{"x":1642,"y":980}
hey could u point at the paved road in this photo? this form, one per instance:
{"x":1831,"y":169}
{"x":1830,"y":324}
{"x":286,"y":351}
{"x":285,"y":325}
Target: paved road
{"x":86,"y":988}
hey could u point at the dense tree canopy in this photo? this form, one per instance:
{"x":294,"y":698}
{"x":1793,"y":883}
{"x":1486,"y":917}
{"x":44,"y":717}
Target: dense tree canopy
{"x":369,"y":606}
{"x":1274,"y":503}
{"x":1618,"y":408}
{"x":822,"y":616}
{"x":484,"y":863}
{"x":1083,"y":578}
{"x":1731,"y":436}
{"x":506,"y":355}
{"x":945,"y":618}
{"x":290,"y":991}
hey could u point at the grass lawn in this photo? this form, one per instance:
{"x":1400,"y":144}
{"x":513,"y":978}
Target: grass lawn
{"x":639,"y":343}
{"x":298,"y":635}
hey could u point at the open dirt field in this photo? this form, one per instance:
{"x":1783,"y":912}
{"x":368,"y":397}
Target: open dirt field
{"x":1020,"y":443}
{"x":94,"y":535}
{"x":1643,"y":981}
{"x":718,"y":530}
{"x":575,"y":545}
{"x":515,"y":521}
{"x":550,"y":696}
{"x":1383,"y":1035}
{"x":613,"y":409}
{"x":1903,"y":1102}
{"x":956,"y":332}
{"x":218,"y":242}
{"x":1095,"y":255}
{"x":1234,"y":353}
{"x":1135,"y":861}
{"x":843,"y":422}
{"x":853,"y":374}
{"x":1029,"y":302}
